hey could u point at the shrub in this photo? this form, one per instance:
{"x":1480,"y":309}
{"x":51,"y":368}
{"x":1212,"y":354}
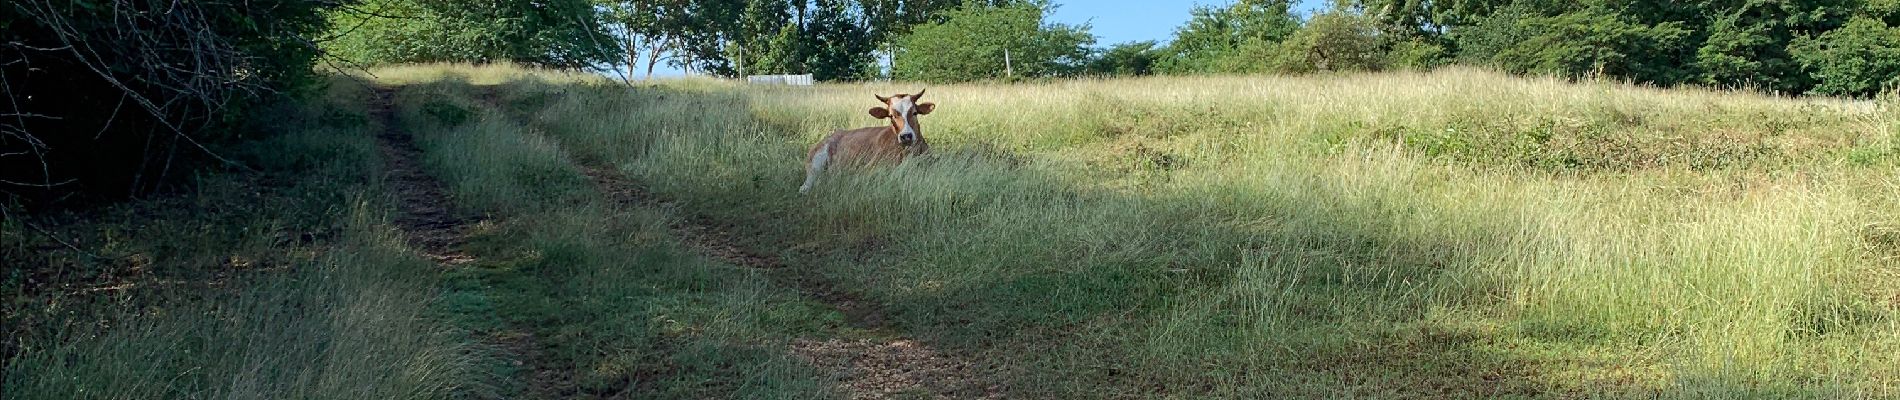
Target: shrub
{"x":1857,"y":60}
{"x":112,"y":96}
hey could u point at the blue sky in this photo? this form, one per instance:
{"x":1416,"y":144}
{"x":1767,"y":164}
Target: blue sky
{"x":1117,"y":21}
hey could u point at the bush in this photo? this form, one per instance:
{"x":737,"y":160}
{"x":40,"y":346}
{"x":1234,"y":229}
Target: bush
{"x":1334,"y":41}
{"x":1576,"y":44}
{"x":1859,"y":59}
{"x":556,"y":33}
{"x":112,"y":96}
{"x":971,"y":44}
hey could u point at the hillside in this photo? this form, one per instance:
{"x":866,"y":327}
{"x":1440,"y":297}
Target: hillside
{"x":496,"y":231}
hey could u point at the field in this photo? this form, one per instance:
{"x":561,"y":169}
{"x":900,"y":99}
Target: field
{"x":1455,"y":233}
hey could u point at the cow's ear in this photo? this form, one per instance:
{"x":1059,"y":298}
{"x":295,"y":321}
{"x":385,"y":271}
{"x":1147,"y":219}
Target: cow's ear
{"x":880,"y":112}
{"x":925,"y":108}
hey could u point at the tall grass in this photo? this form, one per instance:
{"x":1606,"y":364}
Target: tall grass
{"x":1409,"y":234}
{"x":614,"y":306}
{"x":285,"y":282}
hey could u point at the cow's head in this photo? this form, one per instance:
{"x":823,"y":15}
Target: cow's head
{"x":902,"y":110}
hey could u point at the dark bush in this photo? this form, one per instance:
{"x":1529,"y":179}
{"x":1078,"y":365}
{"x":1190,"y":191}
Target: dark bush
{"x":110,"y":97}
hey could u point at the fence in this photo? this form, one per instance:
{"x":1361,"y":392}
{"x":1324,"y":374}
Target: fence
{"x":794,"y":80}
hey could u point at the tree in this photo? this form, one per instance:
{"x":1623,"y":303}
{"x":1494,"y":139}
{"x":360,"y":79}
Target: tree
{"x":644,"y":23}
{"x":841,"y":45}
{"x":892,"y":19}
{"x":1589,"y":42}
{"x":112,"y":97}
{"x":1860,"y":59}
{"x":1337,"y":40}
{"x":551,"y":33}
{"x":1212,"y":35}
{"x":1127,"y":59}
{"x":988,"y":42}
{"x":1747,"y":43}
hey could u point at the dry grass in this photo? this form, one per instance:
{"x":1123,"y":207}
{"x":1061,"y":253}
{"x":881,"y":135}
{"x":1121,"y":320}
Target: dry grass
{"x":1451,"y":232}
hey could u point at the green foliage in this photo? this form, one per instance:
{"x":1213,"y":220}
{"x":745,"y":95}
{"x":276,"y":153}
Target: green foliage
{"x":1747,"y":44}
{"x":991,"y":42}
{"x":1586,"y":43}
{"x":1860,"y":59}
{"x":116,"y":97}
{"x":1213,"y":35}
{"x":1127,"y":59}
{"x":1334,"y":41}
{"x":276,"y":283}
{"x":553,"y":33}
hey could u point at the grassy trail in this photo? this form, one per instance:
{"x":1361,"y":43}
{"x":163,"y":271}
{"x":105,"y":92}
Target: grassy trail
{"x":429,"y":222}
{"x":880,"y":362}
{"x":871,"y":358}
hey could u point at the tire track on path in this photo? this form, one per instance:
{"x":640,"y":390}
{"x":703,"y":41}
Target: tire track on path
{"x":429,"y":223}
{"x":889,"y":366}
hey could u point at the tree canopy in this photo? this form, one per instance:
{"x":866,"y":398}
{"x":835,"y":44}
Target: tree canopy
{"x":552,"y":33}
{"x":989,"y":42}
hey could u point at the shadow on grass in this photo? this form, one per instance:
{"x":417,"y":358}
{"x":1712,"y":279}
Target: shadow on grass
{"x":1281,"y":284}
{"x":1076,"y":290}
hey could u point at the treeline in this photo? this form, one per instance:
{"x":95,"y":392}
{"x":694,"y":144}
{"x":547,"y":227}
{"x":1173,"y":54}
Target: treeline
{"x":834,"y":40}
{"x":1827,"y":47}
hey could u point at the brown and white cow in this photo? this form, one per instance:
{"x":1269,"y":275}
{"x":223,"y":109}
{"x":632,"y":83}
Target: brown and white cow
{"x":874,"y":145}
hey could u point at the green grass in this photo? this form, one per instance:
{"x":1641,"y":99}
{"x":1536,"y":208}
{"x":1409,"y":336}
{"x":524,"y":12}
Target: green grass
{"x":1455,"y":233}
{"x":286,"y":282}
{"x":1449,"y":233}
{"x":617,"y":308}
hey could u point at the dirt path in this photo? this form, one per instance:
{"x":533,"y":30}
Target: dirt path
{"x":888,"y":367}
{"x":429,"y":223}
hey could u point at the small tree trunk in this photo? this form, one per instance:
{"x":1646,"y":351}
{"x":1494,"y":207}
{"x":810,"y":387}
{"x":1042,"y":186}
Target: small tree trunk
{"x":653,"y":56}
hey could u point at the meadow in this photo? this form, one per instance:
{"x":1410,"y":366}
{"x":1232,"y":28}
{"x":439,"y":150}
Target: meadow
{"x":1454,"y":233}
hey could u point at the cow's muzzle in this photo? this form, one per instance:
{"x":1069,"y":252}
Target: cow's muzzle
{"x":906,"y":139}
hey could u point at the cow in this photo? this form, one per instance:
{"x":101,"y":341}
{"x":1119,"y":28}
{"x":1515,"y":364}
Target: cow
{"x":890,"y":144}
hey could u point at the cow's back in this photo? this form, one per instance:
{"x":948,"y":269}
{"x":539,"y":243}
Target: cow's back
{"x":861,"y":146}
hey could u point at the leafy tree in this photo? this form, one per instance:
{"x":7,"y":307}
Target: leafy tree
{"x":987,"y":42}
{"x":655,"y":25}
{"x":1333,"y":41}
{"x":841,"y":43}
{"x":1859,"y":59}
{"x":1588,"y":42}
{"x":1127,"y":59}
{"x":1746,"y":43}
{"x":112,"y":97}
{"x":768,"y":40}
{"x":892,"y":19}
{"x":1214,"y":34}
{"x":553,"y":33}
